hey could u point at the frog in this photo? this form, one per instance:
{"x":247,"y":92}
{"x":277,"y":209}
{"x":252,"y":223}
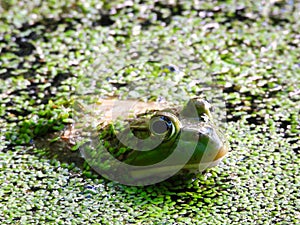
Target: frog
{"x":147,"y":136}
{"x":138,"y":141}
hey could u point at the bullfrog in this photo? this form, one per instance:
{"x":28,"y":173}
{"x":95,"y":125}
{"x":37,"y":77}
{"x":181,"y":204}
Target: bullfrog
{"x":141,"y":143}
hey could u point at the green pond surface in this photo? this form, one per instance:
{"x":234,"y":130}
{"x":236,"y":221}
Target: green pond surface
{"x":241,"y":55}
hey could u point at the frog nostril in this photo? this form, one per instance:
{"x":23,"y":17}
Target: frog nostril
{"x":201,"y":134}
{"x":207,"y":130}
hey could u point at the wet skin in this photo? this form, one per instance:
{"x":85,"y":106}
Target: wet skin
{"x":158,"y":130}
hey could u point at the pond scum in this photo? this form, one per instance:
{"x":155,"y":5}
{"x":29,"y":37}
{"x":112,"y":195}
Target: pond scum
{"x":249,"y":51}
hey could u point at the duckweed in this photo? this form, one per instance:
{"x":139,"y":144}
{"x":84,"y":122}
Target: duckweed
{"x":247,"y":49}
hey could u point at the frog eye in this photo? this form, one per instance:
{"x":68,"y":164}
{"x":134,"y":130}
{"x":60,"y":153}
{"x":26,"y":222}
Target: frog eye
{"x":163,"y":125}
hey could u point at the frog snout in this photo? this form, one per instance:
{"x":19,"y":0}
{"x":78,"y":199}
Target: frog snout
{"x":214,"y":144}
{"x":221,"y":152}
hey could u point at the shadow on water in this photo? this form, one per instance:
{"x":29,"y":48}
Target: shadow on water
{"x":54,"y":147}
{"x":174,"y":187}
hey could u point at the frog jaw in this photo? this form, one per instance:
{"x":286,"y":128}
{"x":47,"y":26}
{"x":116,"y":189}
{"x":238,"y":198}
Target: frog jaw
{"x":187,"y":169}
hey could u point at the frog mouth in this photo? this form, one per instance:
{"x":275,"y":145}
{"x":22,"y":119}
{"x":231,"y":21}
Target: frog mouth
{"x":195,"y":168}
{"x":201,"y":166}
